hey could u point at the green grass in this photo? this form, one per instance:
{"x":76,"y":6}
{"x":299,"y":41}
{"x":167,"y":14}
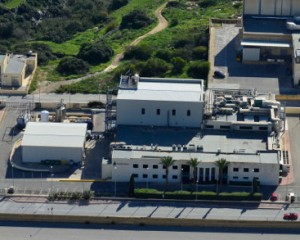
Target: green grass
{"x":13,"y":3}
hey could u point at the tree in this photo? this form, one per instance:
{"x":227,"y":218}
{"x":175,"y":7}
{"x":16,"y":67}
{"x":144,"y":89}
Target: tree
{"x":116,"y":4}
{"x":155,"y":67}
{"x":72,"y":65}
{"x":167,"y":162}
{"x":141,"y":52}
{"x":135,"y":20}
{"x":198,"y":69}
{"x":178,"y":64}
{"x":194,"y":163}
{"x":222,"y":163}
{"x":95,"y":53}
{"x":200,"y":53}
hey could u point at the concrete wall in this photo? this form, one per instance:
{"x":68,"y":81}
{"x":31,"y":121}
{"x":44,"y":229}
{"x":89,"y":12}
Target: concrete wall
{"x":238,"y":126}
{"x":129,"y":112}
{"x":272,"y":7}
{"x":13,"y":79}
{"x":36,"y":154}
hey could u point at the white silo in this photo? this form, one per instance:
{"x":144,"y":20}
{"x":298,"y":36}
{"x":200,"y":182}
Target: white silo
{"x":44,"y":116}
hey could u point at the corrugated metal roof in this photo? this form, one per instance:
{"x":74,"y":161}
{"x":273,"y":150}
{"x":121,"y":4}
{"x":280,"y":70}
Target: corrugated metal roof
{"x":54,"y":134}
{"x":164,"y":91}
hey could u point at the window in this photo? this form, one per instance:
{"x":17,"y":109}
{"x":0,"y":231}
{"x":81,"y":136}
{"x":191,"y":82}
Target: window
{"x":175,"y":167}
{"x":158,"y":111}
{"x":209,"y":126}
{"x":174,"y":177}
{"x":135,"y":166}
{"x":224,"y":127}
{"x":143,"y":111}
{"x":135,"y":175}
{"x":173,"y":112}
{"x":164,"y":167}
{"x":164,"y":176}
{"x":213,"y":174}
{"x":155,"y":176}
{"x":155,"y":166}
{"x":145,"y":175}
{"x":246,"y":178}
{"x":188,"y":112}
{"x":256,"y":170}
{"x":235,"y":169}
{"x":263,"y":128}
{"x":145,"y":165}
{"x":246,"y":169}
{"x":245,"y":128}
{"x":235,"y":177}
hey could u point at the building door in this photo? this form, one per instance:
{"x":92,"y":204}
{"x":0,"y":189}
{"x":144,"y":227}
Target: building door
{"x":185,"y":173}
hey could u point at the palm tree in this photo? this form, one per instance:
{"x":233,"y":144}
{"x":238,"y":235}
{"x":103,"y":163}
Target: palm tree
{"x":194,"y":163}
{"x":222,"y":163}
{"x":167,"y":162}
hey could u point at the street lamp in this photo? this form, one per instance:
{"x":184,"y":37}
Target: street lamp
{"x":147,"y":183}
{"x":115,"y":168}
{"x":51,"y":172}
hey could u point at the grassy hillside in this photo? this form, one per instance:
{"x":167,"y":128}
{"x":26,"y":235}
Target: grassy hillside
{"x":12,"y":3}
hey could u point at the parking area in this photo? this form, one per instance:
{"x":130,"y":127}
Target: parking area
{"x":275,"y":78}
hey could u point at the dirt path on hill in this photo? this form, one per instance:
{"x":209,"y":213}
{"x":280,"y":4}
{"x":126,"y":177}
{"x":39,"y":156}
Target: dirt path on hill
{"x":48,"y":87}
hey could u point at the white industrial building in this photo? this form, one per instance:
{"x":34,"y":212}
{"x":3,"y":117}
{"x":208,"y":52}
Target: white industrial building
{"x":271,"y":32}
{"x":160,"y":102}
{"x":239,"y":125}
{"x":53,"y":141}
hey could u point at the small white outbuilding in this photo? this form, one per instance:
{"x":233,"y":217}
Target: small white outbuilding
{"x":53,"y":141}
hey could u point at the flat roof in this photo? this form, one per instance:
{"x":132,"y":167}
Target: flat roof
{"x":252,"y":43}
{"x":15,"y":64}
{"x":210,"y":140}
{"x":266,"y":158}
{"x":177,"y":90}
{"x":49,"y":134}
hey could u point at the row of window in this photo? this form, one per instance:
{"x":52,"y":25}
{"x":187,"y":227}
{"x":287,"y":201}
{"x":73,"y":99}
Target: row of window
{"x":246,"y":170}
{"x":143,"y":112}
{"x":155,"y":166}
{"x":154,"y":176}
{"x":241,"y":127}
{"x":244,"y":178}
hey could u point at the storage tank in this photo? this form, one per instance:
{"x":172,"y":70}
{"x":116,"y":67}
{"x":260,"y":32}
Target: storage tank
{"x":44,"y":116}
{"x":60,"y":112}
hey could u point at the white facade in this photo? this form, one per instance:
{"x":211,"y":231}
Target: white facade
{"x":146,"y":167}
{"x":161,"y":102}
{"x":53,"y":141}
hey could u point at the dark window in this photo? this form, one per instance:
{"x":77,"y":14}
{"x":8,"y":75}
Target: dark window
{"x":256,"y":170}
{"x":174,"y":177}
{"x":188,"y":112}
{"x":135,"y":166}
{"x":158,"y":111}
{"x":209,"y":126}
{"x":145,"y":165}
{"x":245,"y":128}
{"x":155,"y":166}
{"x":263,"y":128}
{"x":213,"y":174}
{"x":155,"y":176}
{"x":145,"y":175}
{"x":224,"y":127}
{"x":135,"y":175}
{"x":245,"y":178}
{"x":143,"y":111}
{"x":173,"y":112}
{"x":164,"y":176}
{"x":246,"y":169}
{"x":164,"y":167}
{"x":175,"y":167}
{"x":235,"y":177}
{"x":206,"y":174}
{"x":201,"y":173}
{"x":235,"y":169}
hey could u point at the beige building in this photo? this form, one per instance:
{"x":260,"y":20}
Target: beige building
{"x":13,"y":68}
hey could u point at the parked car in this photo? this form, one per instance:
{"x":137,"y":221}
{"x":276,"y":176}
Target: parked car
{"x":274,"y":196}
{"x":11,"y":190}
{"x":290,"y":216}
{"x":219,"y":74}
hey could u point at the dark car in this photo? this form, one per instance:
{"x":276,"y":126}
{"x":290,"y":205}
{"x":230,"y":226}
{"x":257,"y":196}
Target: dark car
{"x":274,"y":196}
{"x":290,"y":216}
{"x":219,"y":74}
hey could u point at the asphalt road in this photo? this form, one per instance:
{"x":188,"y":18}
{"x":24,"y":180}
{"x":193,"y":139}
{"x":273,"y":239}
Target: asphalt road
{"x":24,"y":231}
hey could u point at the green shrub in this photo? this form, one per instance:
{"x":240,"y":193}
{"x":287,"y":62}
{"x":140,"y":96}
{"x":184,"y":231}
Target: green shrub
{"x":140,"y":52}
{"x":135,"y":20}
{"x":72,"y":65}
{"x":198,"y":69}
